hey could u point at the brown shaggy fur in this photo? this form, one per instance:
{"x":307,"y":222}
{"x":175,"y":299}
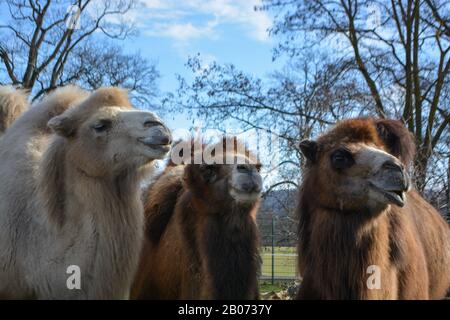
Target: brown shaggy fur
{"x":339,"y":241}
{"x":200,"y":244}
{"x":13,"y":102}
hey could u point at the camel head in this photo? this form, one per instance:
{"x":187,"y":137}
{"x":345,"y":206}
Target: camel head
{"x":105,"y":135}
{"x":360,"y":164}
{"x":232,"y":174}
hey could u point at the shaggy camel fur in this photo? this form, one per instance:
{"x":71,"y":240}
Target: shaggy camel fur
{"x":202,"y":239}
{"x":69,"y":196}
{"x":13,"y":102}
{"x":364,"y":233}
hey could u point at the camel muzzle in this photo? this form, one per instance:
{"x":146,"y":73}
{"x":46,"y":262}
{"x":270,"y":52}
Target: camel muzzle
{"x":392,"y":181}
{"x":158,"y":136}
{"x":246,"y":185}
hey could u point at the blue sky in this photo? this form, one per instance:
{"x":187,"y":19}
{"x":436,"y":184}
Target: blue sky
{"x":227,"y":31}
{"x":170,"y":31}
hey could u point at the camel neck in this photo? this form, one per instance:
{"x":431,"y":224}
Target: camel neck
{"x":350,"y":246}
{"x":113,"y":210}
{"x":102,"y":195}
{"x":229,"y":245}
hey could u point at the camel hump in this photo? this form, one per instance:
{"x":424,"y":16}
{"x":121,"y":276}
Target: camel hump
{"x":13,"y":102}
{"x":61,"y":99}
{"x":397,"y":138}
{"x":109,"y":96}
{"x":160,"y":202}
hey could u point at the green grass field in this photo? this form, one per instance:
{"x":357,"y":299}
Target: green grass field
{"x":268,"y":287}
{"x":285,"y":262}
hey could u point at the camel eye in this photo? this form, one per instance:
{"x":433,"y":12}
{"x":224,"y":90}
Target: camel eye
{"x":102,"y":126}
{"x":341,"y":159}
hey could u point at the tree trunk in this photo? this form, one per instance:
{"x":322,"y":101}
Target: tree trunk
{"x":420,"y":169}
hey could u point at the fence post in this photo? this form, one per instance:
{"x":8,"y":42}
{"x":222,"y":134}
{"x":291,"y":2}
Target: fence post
{"x":273,"y":253}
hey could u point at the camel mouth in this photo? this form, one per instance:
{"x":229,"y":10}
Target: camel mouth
{"x":160,"y":147}
{"x":396,"y":197}
{"x":156,"y":146}
{"x":244,"y":196}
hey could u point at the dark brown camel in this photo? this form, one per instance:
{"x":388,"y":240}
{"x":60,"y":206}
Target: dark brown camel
{"x":360,"y":220}
{"x":202,"y":240}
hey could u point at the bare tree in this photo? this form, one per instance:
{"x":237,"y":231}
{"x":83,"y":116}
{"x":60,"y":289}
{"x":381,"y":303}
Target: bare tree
{"x":394,"y":44}
{"x":440,"y":11}
{"x":295,"y":103}
{"x":99,"y":63}
{"x":42,"y":37}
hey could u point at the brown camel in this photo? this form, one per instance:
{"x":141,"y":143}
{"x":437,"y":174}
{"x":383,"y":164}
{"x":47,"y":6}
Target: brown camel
{"x":364,"y":232}
{"x":202,"y":239}
{"x":13,"y":102}
{"x":70,"y":210}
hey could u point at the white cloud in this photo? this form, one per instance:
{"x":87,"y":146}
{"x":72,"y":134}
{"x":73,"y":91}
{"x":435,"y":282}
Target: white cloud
{"x":155,"y":4}
{"x":183,"y":31}
{"x":180,"y":19}
{"x":186,"y":31}
{"x":241,"y":12}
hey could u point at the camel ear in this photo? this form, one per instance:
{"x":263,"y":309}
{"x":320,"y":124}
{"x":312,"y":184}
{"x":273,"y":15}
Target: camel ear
{"x":309,"y":150}
{"x":398,"y":140}
{"x":62,"y":125}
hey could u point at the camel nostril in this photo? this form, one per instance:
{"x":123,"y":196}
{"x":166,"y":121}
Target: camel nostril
{"x":242,"y":168}
{"x":165,"y":135}
{"x":166,"y":140}
{"x":151,"y":123}
{"x":395,"y":176}
{"x":247,"y":187}
{"x":390,"y":165}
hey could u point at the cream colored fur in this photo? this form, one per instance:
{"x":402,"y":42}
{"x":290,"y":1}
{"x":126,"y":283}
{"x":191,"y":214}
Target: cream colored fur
{"x":54,"y":215}
{"x":13,"y":102}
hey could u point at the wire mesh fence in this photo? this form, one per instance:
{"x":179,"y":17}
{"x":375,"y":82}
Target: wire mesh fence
{"x":278,"y":264}
{"x":278,"y":231}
